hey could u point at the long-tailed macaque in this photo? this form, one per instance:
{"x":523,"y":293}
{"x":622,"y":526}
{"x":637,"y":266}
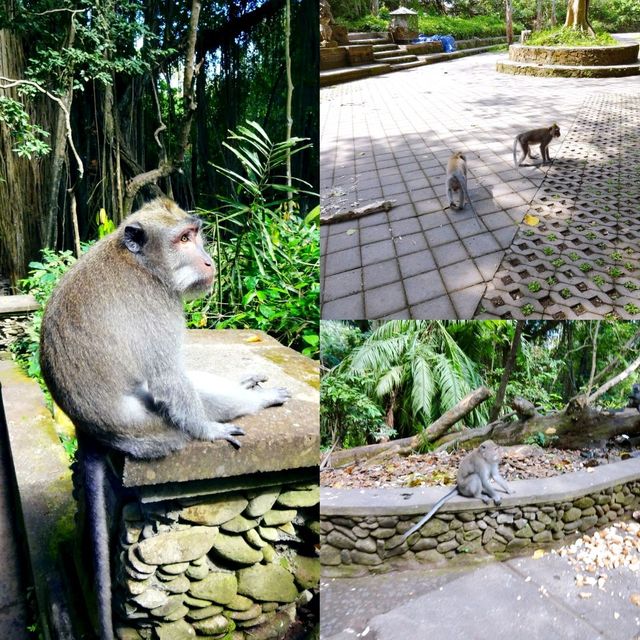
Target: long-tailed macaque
{"x":473,"y":480}
{"x":634,"y":397}
{"x":110,"y":353}
{"x":456,"y":180}
{"x":542,"y":136}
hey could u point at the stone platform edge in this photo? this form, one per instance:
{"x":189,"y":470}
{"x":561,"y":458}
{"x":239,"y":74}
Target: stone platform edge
{"x":361,"y":530}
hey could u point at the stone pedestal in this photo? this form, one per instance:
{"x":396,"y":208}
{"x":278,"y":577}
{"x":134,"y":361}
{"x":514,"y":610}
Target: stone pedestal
{"x":216,"y":541}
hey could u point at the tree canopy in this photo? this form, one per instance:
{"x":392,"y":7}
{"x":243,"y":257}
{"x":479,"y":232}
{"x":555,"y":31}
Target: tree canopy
{"x":106,"y":103}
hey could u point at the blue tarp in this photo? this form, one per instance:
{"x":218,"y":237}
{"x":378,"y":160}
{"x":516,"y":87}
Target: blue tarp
{"x":448,"y":42}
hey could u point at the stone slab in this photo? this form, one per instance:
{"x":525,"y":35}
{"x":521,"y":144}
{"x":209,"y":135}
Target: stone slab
{"x":43,"y":480}
{"x":17,"y":305}
{"x":398,"y":501}
{"x":276,"y":439}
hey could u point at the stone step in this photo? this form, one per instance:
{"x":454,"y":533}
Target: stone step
{"x":385,"y":47}
{"x":396,"y":59}
{"x":371,"y":41}
{"x":391,"y":53}
{"x":408,"y":65}
{"x":567,"y":71}
{"x":346,"y":74}
{"x":363,"y":35}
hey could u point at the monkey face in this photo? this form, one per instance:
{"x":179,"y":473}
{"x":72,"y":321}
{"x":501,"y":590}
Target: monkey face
{"x":194,"y":272}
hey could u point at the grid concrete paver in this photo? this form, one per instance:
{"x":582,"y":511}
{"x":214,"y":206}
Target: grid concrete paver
{"x":390,"y":136}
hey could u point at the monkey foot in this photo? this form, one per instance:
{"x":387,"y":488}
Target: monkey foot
{"x":253,"y":380}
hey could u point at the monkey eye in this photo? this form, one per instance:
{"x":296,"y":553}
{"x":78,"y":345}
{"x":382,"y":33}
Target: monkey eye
{"x":184,"y":237}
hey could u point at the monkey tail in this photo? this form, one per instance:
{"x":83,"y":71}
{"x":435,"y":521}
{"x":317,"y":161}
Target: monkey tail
{"x":94,"y":483}
{"x":423,"y":520}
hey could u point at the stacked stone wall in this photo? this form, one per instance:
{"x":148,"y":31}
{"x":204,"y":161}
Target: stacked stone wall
{"x":373,"y":542}
{"x":233,"y":566}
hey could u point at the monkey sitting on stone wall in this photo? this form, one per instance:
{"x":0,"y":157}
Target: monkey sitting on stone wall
{"x":473,"y":480}
{"x":111,"y":355}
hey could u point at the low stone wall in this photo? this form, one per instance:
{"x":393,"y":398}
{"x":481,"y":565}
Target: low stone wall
{"x":626,"y":53}
{"x":232,"y":566}
{"x":361,"y":530}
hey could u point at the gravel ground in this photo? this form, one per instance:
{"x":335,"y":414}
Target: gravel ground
{"x":520,"y":462}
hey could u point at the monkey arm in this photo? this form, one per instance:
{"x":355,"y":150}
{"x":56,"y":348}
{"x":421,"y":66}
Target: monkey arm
{"x":485,"y":479}
{"x":501,"y":482}
{"x":174,"y":398}
{"x":225,"y":400}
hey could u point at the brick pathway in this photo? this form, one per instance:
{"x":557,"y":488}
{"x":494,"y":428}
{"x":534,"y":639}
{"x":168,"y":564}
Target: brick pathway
{"x":583,"y":258}
{"x":390,"y":137}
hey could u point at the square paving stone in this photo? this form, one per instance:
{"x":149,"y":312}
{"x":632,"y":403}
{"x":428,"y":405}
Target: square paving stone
{"x":466,"y":301}
{"x":436,"y":309}
{"x":369,"y":234}
{"x":342,"y":261}
{"x":433,"y":220}
{"x":449,"y":253}
{"x":376,"y":275}
{"x":343,"y":284}
{"x":405,"y":227}
{"x":410,"y":244}
{"x":401,"y":212}
{"x":428,"y":206}
{"x":345,"y":240}
{"x":488,"y":264}
{"x":424,"y":286}
{"x":414,"y":263}
{"x":377,"y":252}
{"x":350,"y":308}
{"x":481,"y":244}
{"x":471,"y":227}
{"x":460,"y":275}
{"x":445,"y":234}
{"x":385,"y":301}
{"x":497,"y":220}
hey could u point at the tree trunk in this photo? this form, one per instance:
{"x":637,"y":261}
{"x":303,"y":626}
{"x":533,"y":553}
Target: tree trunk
{"x":289,"y":118}
{"x":578,"y":16}
{"x":508,"y":368}
{"x":509,"y":21}
{"x":571,"y":430}
{"x":434,"y":431}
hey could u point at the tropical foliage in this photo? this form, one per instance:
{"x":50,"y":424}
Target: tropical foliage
{"x":104,"y":107}
{"x":395,"y":378}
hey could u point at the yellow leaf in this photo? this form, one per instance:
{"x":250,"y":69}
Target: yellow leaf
{"x":254,"y":338}
{"x":532,"y":221}
{"x":103,"y":216}
{"x":550,"y":431}
{"x":538,"y":553}
{"x":350,"y":232}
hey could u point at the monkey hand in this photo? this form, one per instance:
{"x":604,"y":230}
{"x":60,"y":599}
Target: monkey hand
{"x":276,"y":396}
{"x":497,"y":500}
{"x":253,"y":380}
{"x":224,"y":431}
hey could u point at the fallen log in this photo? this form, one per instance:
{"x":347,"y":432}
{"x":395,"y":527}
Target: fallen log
{"x":352,"y":214}
{"x":430,"y":434}
{"x":571,"y":430}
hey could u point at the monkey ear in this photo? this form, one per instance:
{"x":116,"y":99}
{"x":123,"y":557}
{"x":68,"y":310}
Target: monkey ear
{"x":134,"y":237}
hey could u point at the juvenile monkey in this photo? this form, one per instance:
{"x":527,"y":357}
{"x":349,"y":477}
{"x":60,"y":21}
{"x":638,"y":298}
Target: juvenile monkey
{"x":456,"y":180}
{"x":473,"y":480}
{"x":111,"y":355}
{"x":541,"y":136}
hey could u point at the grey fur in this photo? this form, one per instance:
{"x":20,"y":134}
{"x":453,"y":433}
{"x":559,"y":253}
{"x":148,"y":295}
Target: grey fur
{"x":476,"y":470}
{"x":111,"y":355}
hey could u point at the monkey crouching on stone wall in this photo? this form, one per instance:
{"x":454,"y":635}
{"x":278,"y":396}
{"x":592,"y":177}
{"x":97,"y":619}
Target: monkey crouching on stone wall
{"x":473,"y":480}
{"x":111,"y":355}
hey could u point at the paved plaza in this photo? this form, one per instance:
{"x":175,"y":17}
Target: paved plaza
{"x":577,"y":253}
